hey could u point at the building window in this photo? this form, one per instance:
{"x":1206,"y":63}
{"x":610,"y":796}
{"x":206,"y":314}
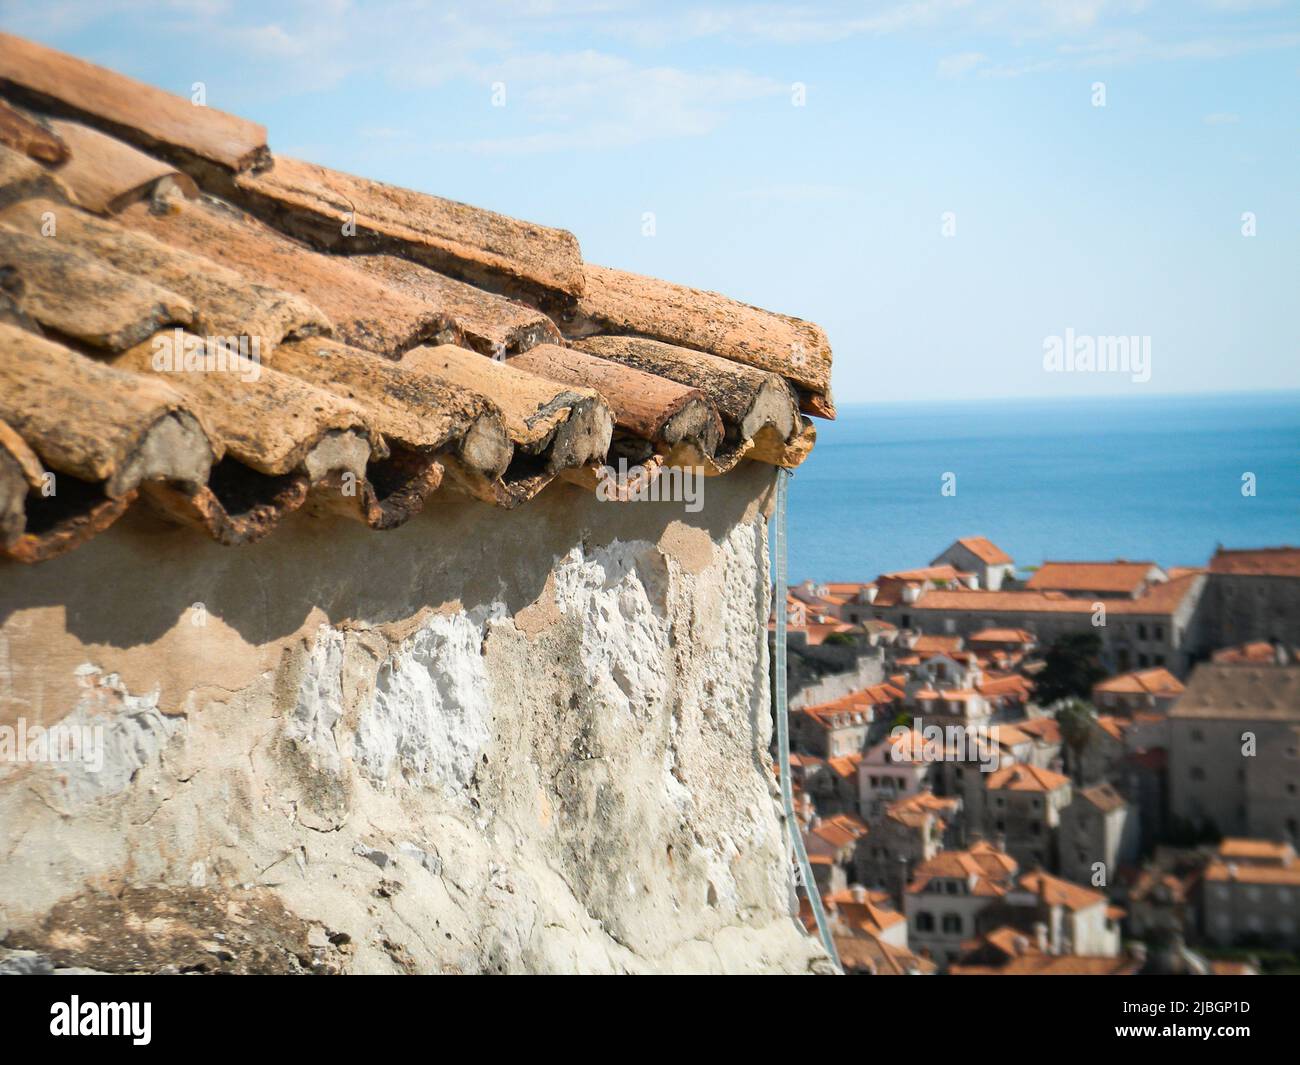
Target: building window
{"x":924,"y":922}
{"x":952,"y":923}
{"x":1198,"y":736}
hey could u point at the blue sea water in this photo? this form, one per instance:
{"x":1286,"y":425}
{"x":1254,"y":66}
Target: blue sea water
{"x":1156,"y":478}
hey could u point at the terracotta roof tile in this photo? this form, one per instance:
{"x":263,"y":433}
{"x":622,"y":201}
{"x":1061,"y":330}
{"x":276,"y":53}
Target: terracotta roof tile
{"x":46,"y":389}
{"x":469,"y":243}
{"x":225,"y":302}
{"x":1124,"y":577}
{"x":364,"y":312}
{"x":618,"y":302}
{"x":151,"y":118}
{"x":105,"y":174}
{"x":1023,"y":777}
{"x":1263,"y":561}
{"x":20,"y":179}
{"x":986,"y":550}
{"x":488,"y":323}
{"x":133,"y":224}
{"x":28,"y":137}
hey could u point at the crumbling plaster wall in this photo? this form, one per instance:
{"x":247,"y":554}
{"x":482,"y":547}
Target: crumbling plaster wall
{"x":485,"y":741}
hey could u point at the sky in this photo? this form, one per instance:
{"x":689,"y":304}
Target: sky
{"x":944,"y":186}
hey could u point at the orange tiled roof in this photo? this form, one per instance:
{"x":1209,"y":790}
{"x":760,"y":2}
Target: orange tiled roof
{"x":1158,"y":681}
{"x":942,"y":572}
{"x":840,"y":830}
{"x":846,"y":765}
{"x":990,"y":868}
{"x":1114,"y":727}
{"x":1280,"y":875}
{"x":1058,"y":892}
{"x":1236,"y":849}
{"x":1260,"y":652}
{"x":1160,"y":600}
{"x":985,"y":550}
{"x":869,"y":953}
{"x":934,"y":644}
{"x":1119,"y":576}
{"x":864,"y":911}
{"x":405,"y":344}
{"x":1002,"y":636}
{"x":1022,"y":777}
{"x":1257,"y":562}
{"x":1014,"y":684}
{"x":1037,"y":964}
{"x":1044,"y":729}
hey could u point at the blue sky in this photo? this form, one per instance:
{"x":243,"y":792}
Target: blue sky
{"x":1123,"y":219}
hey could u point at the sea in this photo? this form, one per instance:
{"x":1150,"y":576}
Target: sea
{"x":1160,"y":478}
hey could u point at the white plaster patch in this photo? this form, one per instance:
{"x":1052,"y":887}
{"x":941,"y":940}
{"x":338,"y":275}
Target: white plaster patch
{"x":428,"y":721}
{"x":624,"y":636}
{"x":127,"y":732}
{"x":319,"y":703}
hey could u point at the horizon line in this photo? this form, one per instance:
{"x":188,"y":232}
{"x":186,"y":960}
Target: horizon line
{"x":1123,"y":396}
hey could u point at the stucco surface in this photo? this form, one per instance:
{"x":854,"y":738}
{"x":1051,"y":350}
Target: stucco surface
{"x":485,"y":741}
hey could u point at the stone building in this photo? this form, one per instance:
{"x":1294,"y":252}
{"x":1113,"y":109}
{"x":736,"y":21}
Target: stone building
{"x":981,"y":557}
{"x":1250,"y":895}
{"x":1234,"y":751}
{"x":371,"y":658}
{"x":1099,"y":832}
{"x":949,"y":893}
{"x":1022,"y":806}
{"x":1153,"y":629}
{"x":902,"y":836}
{"x":1251,"y":594}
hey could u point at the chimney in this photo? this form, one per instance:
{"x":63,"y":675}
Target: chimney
{"x":1040,"y":937}
{"x":859,"y":893}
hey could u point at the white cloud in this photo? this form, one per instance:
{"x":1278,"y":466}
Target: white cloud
{"x":954,"y":66}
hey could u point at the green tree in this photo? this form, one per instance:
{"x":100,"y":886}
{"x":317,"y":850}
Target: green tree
{"x":1071,"y":667}
{"x":1075,"y":718}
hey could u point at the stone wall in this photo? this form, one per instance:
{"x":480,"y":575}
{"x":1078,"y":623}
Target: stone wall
{"x":486,"y":741}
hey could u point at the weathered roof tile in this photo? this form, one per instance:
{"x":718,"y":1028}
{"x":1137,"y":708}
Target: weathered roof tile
{"x":465,"y":242}
{"x":105,"y":174}
{"x":365,"y":312}
{"x":399,"y":343}
{"x":225,"y":303}
{"x":76,"y":295}
{"x":97,"y":423}
{"x":268,"y":420}
{"x":653,"y":408}
{"x":488,"y":323}
{"x":148,"y":117}
{"x":29,"y":137}
{"x":619,"y":302}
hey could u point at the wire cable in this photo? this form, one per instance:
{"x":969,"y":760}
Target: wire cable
{"x":783,"y":725}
